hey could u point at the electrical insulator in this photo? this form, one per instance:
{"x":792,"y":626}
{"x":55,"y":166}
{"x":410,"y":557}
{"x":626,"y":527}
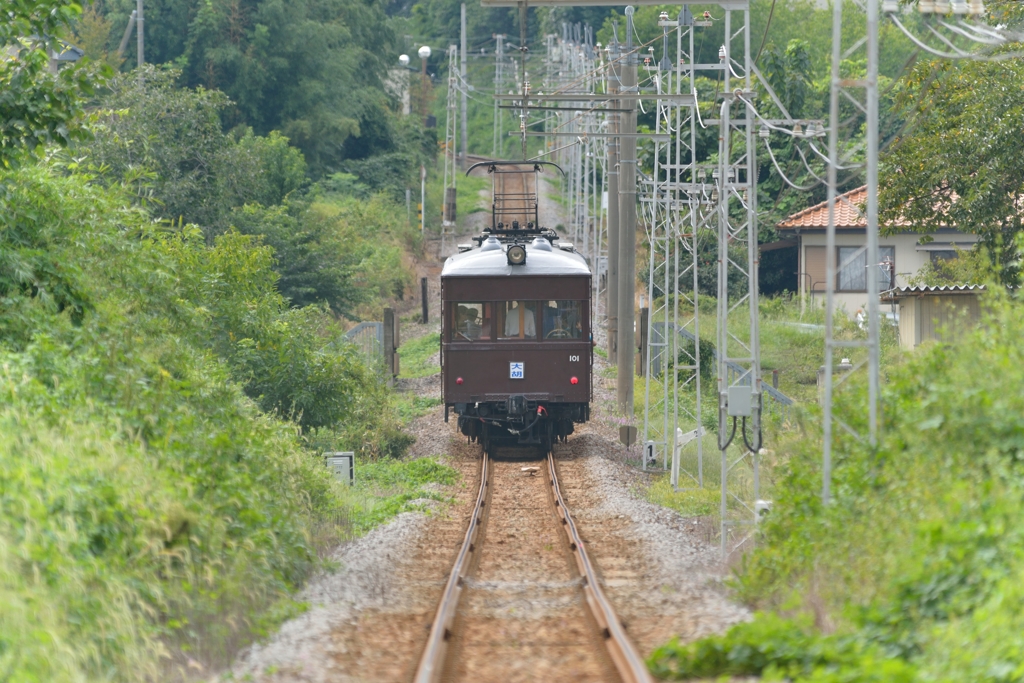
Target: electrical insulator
{"x":942,"y":6}
{"x":960,"y":7}
{"x":976,"y":7}
{"x":721,"y":53}
{"x":926,"y":6}
{"x":890,"y":6}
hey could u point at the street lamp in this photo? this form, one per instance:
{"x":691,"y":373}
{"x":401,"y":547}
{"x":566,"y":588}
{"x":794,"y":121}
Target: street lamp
{"x":424,"y":53}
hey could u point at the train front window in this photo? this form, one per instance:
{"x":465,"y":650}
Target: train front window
{"x":518,"y":320}
{"x":563,"y":319}
{"x":472,"y":321}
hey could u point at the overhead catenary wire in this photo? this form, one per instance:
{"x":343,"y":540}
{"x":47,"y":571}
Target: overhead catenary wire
{"x":785,"y":178}
{"x":1000,"y":57}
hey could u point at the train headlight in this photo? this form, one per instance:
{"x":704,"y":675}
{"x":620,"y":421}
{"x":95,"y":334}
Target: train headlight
{"x":516,"y":255}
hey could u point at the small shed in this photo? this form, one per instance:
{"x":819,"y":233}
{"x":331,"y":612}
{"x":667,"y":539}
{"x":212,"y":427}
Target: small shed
{"x":938,"y":313}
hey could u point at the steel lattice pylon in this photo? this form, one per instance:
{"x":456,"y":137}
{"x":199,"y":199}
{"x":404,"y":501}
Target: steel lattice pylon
{"x":677,"y":211}
{"x":685,"y":210}
{"x":574,"y":65}
{"x":867,"y":104}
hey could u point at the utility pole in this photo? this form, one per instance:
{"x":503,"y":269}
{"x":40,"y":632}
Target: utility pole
{"x":627,"y":226}
{"x":451,"y":158}
{"x":423,"y":199}
{"x":140,"y":34}
{"x":465,"y":87}
{"x":614,"y":68}
{"x":127,"y":33}
{"x":499,"y":88}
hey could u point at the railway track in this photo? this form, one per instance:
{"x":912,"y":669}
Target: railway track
{"x":522,"y":601}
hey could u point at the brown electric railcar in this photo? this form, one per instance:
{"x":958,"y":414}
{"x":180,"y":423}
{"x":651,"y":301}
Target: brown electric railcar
{"x":516,"y":342}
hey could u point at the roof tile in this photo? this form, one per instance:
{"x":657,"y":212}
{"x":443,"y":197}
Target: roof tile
{"x":848,"y":213}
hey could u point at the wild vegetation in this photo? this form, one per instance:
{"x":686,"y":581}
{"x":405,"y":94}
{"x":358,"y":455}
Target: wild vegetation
{"x":172,"y":363}
{"x":933,"y":593}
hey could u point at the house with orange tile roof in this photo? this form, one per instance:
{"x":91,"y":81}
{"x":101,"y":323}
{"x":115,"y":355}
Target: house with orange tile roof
{"x":900,"y":256}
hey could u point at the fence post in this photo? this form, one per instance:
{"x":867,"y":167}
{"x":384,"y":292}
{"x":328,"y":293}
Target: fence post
{"x":390,"y":345}
{"x":423,"y":297}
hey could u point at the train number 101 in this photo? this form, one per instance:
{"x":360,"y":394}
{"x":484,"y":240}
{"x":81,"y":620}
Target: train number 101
{"x":574,"y":359}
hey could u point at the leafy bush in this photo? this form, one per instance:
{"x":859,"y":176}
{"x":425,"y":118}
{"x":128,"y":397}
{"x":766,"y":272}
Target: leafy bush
{"x":343,"y":252}
{"x":913,"y":572}
{"x":169,"y":140}
{"x":147,"y":506}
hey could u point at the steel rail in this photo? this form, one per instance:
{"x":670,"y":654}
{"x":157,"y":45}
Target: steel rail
{"x":624,"y":654}
{"x":432,"y":662}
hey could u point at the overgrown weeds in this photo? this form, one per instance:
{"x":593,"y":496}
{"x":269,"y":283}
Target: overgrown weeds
{"x":913,"y":571}
{"x":159,"y":503}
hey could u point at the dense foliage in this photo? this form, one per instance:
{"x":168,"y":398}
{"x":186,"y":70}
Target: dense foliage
{"x":141,"y":489}
{"x":37,"y":107}
{"x":338,"y":245}
{"x":154,"y":483}
{"x":314,"y":70}
{"x":931,"y":594}
{"x":168,"y":141}
{"x":957,"y":161}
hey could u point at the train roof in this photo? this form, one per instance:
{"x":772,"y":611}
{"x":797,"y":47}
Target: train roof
{"x":489,"y":260}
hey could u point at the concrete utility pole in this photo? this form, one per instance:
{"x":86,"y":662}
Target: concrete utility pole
{"x":465,"y":86}
{"x":627,"y":226}
{"x":613,"y":205}
{"x":499,"y":88}
{"x":127,"y":33}
{"x":140,"y":34}
{"x":423,"y":199}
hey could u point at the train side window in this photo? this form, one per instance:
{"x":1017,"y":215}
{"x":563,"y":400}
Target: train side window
{"x":472,"y":321}
{"x":517,"y":320}
{"x":563,"y":319}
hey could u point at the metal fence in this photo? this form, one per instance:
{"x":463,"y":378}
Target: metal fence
{"x":368,"y":338}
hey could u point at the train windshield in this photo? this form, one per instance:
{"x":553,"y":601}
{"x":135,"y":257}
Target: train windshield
{"x":518,"y":320}
{"x":563,"y":319}
{"x":472,"y":321}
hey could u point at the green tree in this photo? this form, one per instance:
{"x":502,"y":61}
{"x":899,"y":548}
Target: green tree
{"x":171,"y":140}
{"x":962,"y":164}
{"x":313,"y":69}
{"x":38,"y":107}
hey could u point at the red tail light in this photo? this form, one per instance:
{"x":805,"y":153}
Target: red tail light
{"x":574,"y":381}
{"x":458,"y":380}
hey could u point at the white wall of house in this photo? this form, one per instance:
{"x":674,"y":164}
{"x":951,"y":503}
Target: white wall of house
{"x":908,"y":253}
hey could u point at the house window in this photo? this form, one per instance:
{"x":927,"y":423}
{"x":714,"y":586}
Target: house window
{"x":853,"y":271}
{"x":943,"y":255}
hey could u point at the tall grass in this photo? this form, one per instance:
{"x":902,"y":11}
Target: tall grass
{"x":152,"y":516}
